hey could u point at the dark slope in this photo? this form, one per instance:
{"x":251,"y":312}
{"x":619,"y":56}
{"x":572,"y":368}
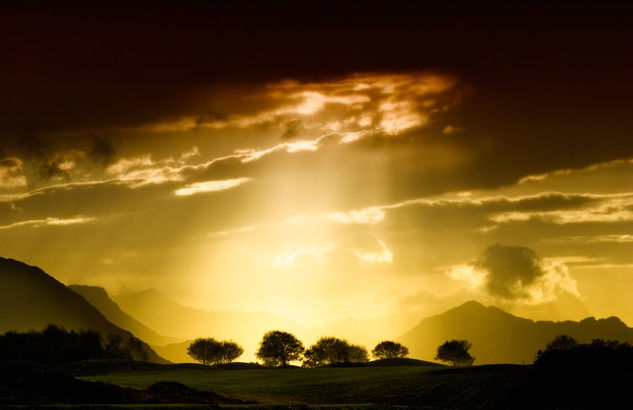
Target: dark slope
{"x":99,"y":298}
{"x":30,"y":299}
{"x":499,"y":337}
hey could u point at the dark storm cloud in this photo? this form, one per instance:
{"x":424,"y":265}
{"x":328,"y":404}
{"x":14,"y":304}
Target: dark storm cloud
{"x":549,"y":87}
{"x":48,"y":158}
{"x":101,"y":152}
{"x":509,"y":270}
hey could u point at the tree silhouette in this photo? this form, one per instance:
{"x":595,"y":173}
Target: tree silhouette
{"x":57,"y":345}
{"x":455,"y":352}
{"x":202,"y":350}
{"x":357,"y":354}
{"x":589,"y":375}
{"x":389,"y":350}
{"x":562,"y":342}
{"x":278,"y":348}
{"x":328,"y":350}
{"x":230,"y":351}
{"x":210,"y":351}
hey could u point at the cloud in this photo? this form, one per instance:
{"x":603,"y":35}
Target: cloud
{"x":467,"y":273}
{"x":51,"y":221}
{"x":608,"y":238}
{"x":342,"y":252}
{"x":495,"y":208}
{"x":605,"y":208}
{"x":124,"y":165}
{"x":210,"y":186}
{"x":248,"y":155}
{"x":11,"y":173}
{"x":387,"y":103}
{"x":313,"y":254}
{"x":372,"y":215}
{"x":60,"y":158}
{"x":509,"y":270}
{"x":101,"y":152}
{"x":243,"y":229}
{"x":384,"y":256}
{"x":516,"y":273}
{"x":292,"y":129}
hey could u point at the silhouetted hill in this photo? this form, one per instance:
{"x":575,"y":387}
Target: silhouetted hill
{"x":499,"y":337}
{"x":99,"y":298}
{"x":30,"y":299}
{"x":168,"y":317}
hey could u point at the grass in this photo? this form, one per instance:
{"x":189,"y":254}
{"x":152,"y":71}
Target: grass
{"x":354,"y":386}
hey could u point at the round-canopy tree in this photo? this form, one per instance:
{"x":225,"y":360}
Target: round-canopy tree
{"x":389,"y":350}
{"x":328,"y":350}
{"x":455,"y":352}
{"x":278,"y":348}
{"x":210,"y":351}
{"x":230,"y":351}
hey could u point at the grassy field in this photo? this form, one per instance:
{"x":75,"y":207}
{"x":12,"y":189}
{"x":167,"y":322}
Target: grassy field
{"x":431,"y":386}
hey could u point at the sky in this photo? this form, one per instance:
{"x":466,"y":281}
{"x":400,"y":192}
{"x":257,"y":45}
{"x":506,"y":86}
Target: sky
{"x":324,"y":161}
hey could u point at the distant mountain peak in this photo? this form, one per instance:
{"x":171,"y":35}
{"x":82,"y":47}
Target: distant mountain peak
{"x":471,"y":304}
{"x":150,"y":292}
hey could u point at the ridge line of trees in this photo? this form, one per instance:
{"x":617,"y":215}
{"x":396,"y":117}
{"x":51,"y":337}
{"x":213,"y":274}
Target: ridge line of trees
{"x":278,"y":348}
{"x":55,"y":344}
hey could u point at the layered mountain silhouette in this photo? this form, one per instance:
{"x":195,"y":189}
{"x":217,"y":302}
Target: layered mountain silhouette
{"x":499,"y":337}
{"x":168,"y":317}
{"x":100,"y":299}
{"x":30,"y":299}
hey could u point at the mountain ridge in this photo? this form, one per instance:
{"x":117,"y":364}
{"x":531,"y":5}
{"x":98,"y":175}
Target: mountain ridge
{"x":498,"y":336}
{"x":99,"y":298}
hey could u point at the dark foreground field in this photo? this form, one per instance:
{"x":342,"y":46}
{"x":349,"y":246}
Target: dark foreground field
{"x":397,"y":385}
{"x":410,"y":386}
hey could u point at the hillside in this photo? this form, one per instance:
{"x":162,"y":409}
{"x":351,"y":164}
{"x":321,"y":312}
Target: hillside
{"x":30,"y":299}
{"x":99,"y":298}
{"x":499,"y":337}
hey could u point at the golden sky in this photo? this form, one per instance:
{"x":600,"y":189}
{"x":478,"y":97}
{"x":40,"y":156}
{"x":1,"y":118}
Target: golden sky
{"x":364,"y":190}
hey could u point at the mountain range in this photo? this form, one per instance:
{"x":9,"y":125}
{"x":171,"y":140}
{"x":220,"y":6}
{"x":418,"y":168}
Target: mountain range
{"x":32,"y":299}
